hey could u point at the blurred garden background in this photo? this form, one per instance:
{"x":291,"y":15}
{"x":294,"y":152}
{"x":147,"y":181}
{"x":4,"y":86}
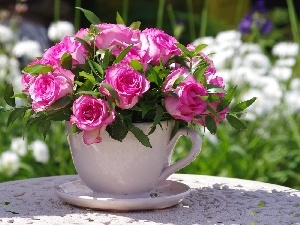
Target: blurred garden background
{"x":253,"y":43}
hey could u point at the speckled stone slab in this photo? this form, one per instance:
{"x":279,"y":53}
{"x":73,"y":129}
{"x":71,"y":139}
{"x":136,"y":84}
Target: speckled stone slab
{"x":212,"y":200}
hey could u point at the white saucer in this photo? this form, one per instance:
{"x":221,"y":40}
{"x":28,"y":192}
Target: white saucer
{"x":166,"y":194}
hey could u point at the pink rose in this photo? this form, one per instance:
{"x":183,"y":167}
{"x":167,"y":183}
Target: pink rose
{"x":217,"y":81}
{"x":59,"y":71}
{"x":176,"y":74}
{"x":115,"y":35}
{"x":210,"y":70}
{"x":91,"y":115}
{"x":82,"y":33}
{"x":188,"y":105}
{"x":47,"y":89}
{"x":127,"y":82}
{"x":67,"y":45}
{"x":156,"y":46}
{"x":27,"y":80}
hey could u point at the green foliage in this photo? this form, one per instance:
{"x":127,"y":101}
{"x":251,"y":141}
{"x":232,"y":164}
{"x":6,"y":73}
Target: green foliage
{"x":267,"y":151}
{"x":90,"y":16}
{"x":60,"y":161}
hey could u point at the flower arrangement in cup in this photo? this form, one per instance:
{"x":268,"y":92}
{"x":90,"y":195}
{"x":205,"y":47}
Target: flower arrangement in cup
{"x":110,"y":76}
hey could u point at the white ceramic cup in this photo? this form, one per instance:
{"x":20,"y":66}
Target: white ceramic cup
{"x":128,"y":167}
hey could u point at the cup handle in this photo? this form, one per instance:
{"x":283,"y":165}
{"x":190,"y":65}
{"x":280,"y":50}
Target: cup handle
{"x":193,"y":153}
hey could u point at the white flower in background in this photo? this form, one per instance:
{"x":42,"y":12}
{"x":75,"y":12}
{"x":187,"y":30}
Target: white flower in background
{"x":19,"y":146}
{"x":257,"y":61}
{"x":223,"y":58}
{"x":242,"y":75}
{"x":10,"y":71}
{"x":3,"y":66}
{"x":292,"y":95}
{"x":290,"y":62}
{"x":249,"y":47}
{"x":295,"y":84}
{"x":27,"y":48}
{"x":210,"y":41}
{"x":229,"y":35}
{"x":59,"y":29}
{"x":285,"y":49}
{"x":281,"y":73}
{"x":271,"y":88}
{"x":262,"y":105}
{"x":292,"y":100}
{"x":9,"y":162}
{"x":40,"y":151}
{"x":204,"y":40}
{"x":6,"y":34}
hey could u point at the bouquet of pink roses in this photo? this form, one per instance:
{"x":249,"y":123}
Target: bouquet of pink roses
{"x":110,"y":76}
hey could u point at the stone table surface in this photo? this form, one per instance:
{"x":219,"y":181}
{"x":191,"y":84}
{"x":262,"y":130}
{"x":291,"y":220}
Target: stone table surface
{"x":212,"y":200}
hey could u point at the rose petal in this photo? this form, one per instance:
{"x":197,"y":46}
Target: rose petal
{"x":91,"y":137}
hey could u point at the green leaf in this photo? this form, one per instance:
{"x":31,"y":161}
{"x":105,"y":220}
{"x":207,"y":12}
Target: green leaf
{"x":215,"y":89}
{"x":106,"y":59}
{"x":46,"y":128}
{"x":153,"y":76}
{"x":66,"y":61}
{"x":90,"y":16}
{"x":175,"y":129}
{"x":179,"y":80}
{"x":78,"y":83}
{"x":199,"y":74}
{"x":20,"y":95}
{"x":226,"y":100}
{"x":243,"y":105}
{"x":261,"y":204}
{"x":118,"y":130}
{"x":40,"y":119}
{"x":200,"y":47}
{"x":88,"y":76}
{"x":135,"y":64}
{"x":157,"y":118}
{"x":28,"y":113}
{"x":185,"y":50}
{"x":60,"y":115}
{"x":97,"y":68}
{"x":93,"y":93}
{"x":111,"y":91}
{"x":15,"y":114}
{"x":211,"y":124}
{"x":145,"y":107}
{"x":122,"y":54}
{"x":86,"y":86}
{"x":37,"y":69}
{"x":119,"y":19}
{"x":61,"y":103}
{"x":235,"y":122}
{"x":8,"y":95}
{"x":139,"y":134}
{"x":92,"y":32}
{"x":135,"y":25}
{"x":211,"y":97}
{"x":213,"y":112}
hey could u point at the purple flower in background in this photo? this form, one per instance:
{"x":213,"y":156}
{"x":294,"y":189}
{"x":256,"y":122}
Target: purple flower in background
{"x":259,"y":6}
{"x":245,"y":24}
{"x":256,"y":19}
{"x":265,"y":26}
